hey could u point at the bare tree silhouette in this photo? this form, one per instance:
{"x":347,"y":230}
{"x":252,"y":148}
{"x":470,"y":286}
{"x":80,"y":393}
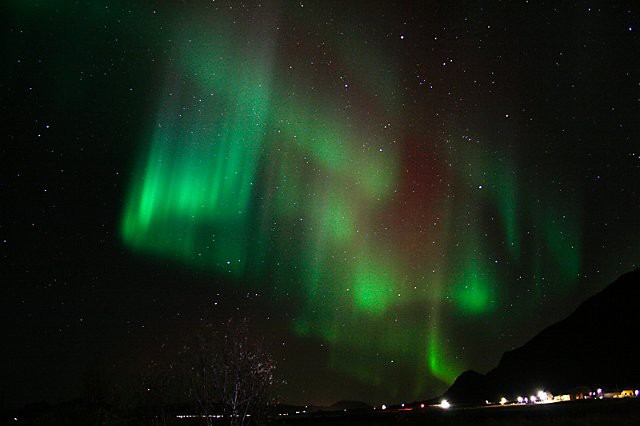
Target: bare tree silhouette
{"x":231,"y":374}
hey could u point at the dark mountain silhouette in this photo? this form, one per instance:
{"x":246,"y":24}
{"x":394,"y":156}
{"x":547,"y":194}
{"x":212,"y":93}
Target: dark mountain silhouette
{"x":470,"y":387}
{"x":594,"y":346}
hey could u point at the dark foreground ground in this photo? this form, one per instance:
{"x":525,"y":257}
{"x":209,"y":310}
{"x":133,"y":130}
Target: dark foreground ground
{"x":594,"y":412}
{"x":606,"y":413}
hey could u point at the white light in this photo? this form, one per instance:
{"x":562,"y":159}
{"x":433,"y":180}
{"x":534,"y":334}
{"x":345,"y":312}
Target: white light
{"x":599,"y":391}
{"x":503,"y":400}
{"x":422,"y":405}
{"x":543,"y":396}
{"x":445,"y":404}
{"x":384,"y":407}
{"x":520,"y":399}
{"x":533,"y":398}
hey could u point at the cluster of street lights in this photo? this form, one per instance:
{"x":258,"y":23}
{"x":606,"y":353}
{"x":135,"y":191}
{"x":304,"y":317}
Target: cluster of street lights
{"x":542,"y":397}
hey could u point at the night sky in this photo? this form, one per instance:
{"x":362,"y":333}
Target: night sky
{"x":393,"y":193}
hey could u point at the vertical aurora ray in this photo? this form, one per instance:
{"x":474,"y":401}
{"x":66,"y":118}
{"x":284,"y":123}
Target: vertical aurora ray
{"x":558,"y":242}
{"x":191,"y":198}
{"x":439,"y":360}
{"x":504,"y":190}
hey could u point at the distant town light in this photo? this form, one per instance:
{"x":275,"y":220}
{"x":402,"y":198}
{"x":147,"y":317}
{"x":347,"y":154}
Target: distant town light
{"x":533,"y":398}
{"x":384,"y":407}
{"x":445,"y":404}
{"x":599,"y":391}
{"x":543,"y":396}
{"x":422,"y":405}
{"x":520,"y":399}
{"x":503,"y":400}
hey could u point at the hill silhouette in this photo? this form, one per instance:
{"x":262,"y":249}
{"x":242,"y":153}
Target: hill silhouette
{"x":594,"y":346}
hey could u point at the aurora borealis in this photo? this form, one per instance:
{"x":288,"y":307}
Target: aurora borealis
{"x":392,"y":194}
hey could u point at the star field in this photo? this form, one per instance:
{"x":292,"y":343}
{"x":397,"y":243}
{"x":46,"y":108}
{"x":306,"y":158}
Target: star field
{"x":392,"y":193}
